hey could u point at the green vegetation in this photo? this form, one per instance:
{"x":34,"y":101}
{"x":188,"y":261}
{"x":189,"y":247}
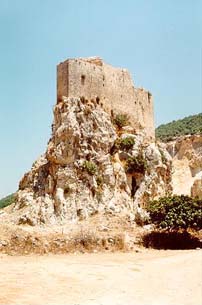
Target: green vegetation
{"x":4,"y":202}
{"x":99,"y":180}
{"x":136,"y":164}
{"x":189,"y":125}
{"x":163,"y":158}
{"x":176,"y":212}
{"x":124,"y":144}
{"x":90,"y":167}
{"x":121,"y":120}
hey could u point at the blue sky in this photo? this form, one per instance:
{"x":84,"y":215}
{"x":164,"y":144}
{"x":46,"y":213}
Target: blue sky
{"x":158,"y":41}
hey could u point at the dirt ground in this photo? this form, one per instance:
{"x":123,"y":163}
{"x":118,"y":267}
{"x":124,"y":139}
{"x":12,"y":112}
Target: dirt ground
{"x":149,"y":277}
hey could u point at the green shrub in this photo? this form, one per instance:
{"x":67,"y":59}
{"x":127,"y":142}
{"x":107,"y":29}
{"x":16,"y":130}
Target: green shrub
{"x":124,"y":144}
{"x":121,"y":120}
{"x":175,"y":212}
{"x":136,"y":164}
{"x":90,"y":167}
{"x":4,"y":202}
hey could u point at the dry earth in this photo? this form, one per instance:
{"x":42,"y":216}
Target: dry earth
{"x":149,"y":277}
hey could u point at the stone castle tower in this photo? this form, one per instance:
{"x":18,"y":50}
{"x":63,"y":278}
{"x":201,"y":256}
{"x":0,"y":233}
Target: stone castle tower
{"x":83,"y":170}
{"x":92,"y":78}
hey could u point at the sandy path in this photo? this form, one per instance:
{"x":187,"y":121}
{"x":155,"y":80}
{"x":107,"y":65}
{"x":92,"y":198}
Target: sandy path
{"x":147,"y":278}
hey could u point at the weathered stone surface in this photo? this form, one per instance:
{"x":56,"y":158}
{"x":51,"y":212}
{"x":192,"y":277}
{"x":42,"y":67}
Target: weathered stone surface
{"x":83,"y":171}
{"x":196,"y":190}
{"x":59,"y":188}
{"x":186,"y":153}
{"x":113,"y":87}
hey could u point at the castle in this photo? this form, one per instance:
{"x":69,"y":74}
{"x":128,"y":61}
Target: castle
{"x":92,"y":78}
{"x":83,"y":172}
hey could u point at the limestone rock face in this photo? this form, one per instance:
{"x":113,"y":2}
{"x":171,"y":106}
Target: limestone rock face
{"x":196,"y":190}
{"x":82,"y":174}
{"x":186,"y":153}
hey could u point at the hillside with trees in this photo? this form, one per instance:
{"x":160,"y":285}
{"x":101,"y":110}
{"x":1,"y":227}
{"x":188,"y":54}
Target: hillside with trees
{"x":188,"y":125}
{"x":4,"y":202}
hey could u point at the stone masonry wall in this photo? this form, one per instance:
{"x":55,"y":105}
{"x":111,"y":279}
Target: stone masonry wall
{"x":92,"y":78}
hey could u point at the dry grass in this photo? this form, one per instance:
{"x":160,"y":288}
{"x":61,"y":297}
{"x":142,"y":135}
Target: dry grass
{"x":96,"y":234}
{"x":80,"y":241}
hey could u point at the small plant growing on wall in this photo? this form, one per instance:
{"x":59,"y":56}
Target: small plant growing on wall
{"x":163,"y":158}
{"x":121,"y":120}
{"x":90,"y":167}
{"x":124,"y":144}
{"x":136,"y":164}
{"x":99,"y":180}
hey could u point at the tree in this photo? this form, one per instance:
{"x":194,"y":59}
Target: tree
{"x":176,"y":212}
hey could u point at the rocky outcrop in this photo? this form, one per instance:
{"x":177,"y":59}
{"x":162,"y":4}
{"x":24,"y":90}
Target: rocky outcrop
{"x":186,"y":153}
{"x":196,"y":189}
{"x":91,"y":167}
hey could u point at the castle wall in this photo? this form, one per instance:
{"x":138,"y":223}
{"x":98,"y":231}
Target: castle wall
{"x":62,"y":79}
{"x":92,"y":78}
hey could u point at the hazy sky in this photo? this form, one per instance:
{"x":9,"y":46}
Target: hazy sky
{"x":158,"y":41}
